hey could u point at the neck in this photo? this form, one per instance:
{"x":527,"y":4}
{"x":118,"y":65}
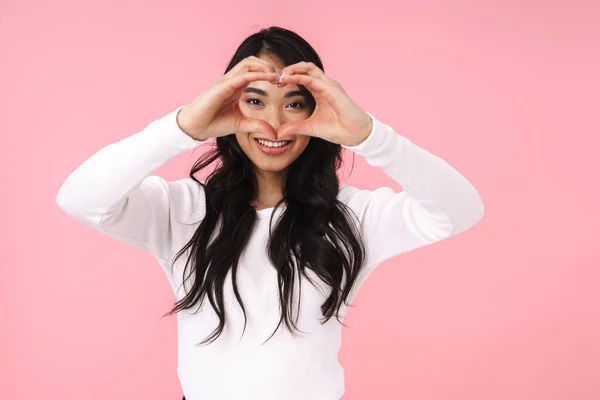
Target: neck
{"x":269,"y":189}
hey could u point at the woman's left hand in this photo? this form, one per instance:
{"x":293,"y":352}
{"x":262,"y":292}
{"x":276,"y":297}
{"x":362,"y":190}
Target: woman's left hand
{"x":336,"y":118}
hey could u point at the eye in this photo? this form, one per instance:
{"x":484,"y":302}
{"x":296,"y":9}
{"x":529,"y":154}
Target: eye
{"x":249,"y":101}
{"x":257,"y":103}
{"x":300,"y":105}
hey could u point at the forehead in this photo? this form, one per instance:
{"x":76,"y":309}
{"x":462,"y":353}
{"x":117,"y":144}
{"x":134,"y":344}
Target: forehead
{"x":271,"y":89}
{"x":273,"y":60}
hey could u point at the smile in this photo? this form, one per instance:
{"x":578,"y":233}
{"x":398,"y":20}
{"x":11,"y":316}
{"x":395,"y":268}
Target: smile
{"x":270,"y":147}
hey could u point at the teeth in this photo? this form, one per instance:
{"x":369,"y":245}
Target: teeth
{"x":268,"y":143}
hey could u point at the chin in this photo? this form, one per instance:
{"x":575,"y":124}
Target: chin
{"x":271,"y":166}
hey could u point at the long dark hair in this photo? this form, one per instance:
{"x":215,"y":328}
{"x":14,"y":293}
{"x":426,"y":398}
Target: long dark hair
{"x":315,"y":230}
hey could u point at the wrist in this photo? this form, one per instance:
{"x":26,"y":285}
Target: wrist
{"x":180,"y":119}
{"x":364,"y":135}
{"x":180,"y":123}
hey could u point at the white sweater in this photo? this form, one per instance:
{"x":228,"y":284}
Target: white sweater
{"x":114,"y":193}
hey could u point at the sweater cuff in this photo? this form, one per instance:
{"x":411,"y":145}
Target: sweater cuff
{"x":171,"y":133}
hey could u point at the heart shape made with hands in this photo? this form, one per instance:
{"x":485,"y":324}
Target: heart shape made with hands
{"x":336,"y":118}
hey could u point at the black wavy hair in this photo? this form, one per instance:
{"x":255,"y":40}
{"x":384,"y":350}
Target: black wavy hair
{"x":315,"y":230}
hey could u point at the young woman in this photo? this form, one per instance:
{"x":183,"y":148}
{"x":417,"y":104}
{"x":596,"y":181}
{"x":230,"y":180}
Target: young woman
{"x":267,"y":254}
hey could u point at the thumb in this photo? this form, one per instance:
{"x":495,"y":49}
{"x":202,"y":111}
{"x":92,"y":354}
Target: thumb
{"x":249,"y":125}
{"x":296,"y":128}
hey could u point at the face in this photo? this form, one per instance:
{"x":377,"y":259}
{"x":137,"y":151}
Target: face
{"x":264,"y":100}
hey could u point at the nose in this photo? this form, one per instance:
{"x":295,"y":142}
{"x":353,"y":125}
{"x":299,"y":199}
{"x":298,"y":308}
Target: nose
{"x":274,"y":118}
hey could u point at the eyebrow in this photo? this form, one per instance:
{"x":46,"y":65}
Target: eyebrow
{"x":261,"y":92}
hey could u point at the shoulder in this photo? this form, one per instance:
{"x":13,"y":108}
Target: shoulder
{"x":185,"y":197}
{"x":346,"y":193}
{"x":358,"y":198}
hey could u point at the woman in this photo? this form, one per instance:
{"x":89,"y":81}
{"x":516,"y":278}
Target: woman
{"x":272,"y":241}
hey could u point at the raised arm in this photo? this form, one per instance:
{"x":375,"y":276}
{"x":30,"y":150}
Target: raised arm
{"x":114,"y":193}
{"x":437,"y":201}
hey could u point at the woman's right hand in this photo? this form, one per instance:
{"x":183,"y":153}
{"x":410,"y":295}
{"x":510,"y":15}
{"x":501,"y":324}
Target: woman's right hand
{"x":216,"y":112}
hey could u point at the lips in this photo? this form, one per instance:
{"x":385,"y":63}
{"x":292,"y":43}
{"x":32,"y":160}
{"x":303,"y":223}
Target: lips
{"x":272,"y":150}
{"x":283,"y":139}
{"x":271,"y":143}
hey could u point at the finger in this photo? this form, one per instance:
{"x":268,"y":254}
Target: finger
{"x":245,"y":78}
{"x":246,"y":64}
{"x":251,"y":64}
{"x":248,"y":125}
{"x":296,"y":128}
{"x":317,"y":87}
{"x":242,"y":80}
{"x":307,"y":68}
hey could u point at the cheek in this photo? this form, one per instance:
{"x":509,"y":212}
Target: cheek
{"x":302,"y":142}
{"x":244,"y":141}
{"x":244,"y":108}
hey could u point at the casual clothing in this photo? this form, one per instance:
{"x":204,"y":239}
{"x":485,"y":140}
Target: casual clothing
{"x":114,"y":193}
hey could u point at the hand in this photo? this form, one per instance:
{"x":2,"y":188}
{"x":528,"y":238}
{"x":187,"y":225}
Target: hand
{"x":216,"y":112}
{"x":336,"y":118}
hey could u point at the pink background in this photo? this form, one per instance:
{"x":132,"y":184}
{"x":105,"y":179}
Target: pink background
{"x":507,"y":92}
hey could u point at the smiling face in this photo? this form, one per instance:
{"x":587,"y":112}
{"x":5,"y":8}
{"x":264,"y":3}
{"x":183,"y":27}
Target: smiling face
{"x":264,"y":100}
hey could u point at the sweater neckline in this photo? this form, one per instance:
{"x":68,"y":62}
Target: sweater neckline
{"x":266,"y":212}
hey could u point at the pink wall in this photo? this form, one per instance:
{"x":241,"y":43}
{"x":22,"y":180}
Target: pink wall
{"x":507,"y":92}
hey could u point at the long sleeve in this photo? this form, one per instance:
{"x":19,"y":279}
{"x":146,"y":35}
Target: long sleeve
{"x":437,"y":201}
{"x":114,"y":193}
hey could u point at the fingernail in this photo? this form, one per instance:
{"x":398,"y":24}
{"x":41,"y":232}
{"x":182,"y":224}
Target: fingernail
{"x":279,"y":80}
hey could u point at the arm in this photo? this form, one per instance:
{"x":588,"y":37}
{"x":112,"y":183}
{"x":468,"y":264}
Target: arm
{"x":114,"y":193}
{"x":437,"y":201}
